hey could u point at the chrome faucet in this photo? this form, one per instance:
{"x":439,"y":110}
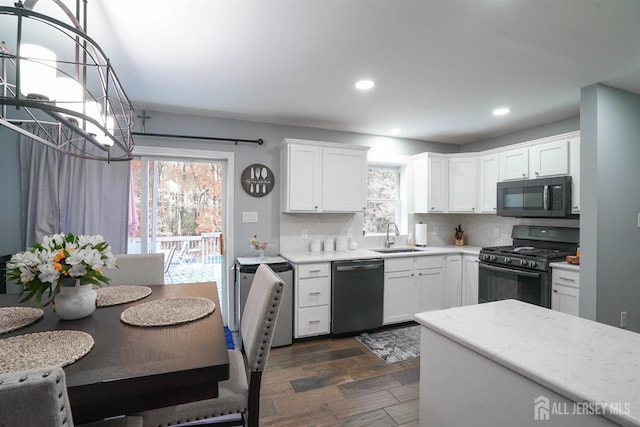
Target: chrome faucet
{"x":390,"y":240}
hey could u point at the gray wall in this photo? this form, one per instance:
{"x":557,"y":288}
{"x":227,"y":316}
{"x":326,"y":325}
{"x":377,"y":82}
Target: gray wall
{"x":610,"y":237}
{"x":571,"y":124}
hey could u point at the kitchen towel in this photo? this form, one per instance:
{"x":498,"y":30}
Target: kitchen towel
{"x":421,"y":235}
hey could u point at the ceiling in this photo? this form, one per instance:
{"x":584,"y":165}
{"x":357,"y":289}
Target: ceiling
{"x":440,"y":66}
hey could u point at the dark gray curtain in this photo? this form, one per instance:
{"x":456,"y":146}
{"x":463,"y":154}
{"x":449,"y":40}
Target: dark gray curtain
{"x":62,"y":193}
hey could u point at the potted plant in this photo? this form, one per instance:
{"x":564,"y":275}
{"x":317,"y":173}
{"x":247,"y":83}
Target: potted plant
{"x":62,"y":263}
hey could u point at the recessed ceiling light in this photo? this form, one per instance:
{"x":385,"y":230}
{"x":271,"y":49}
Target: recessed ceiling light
{"x":502,"y":111}
{"x":395,"y":131}
{"x":365,"y":84}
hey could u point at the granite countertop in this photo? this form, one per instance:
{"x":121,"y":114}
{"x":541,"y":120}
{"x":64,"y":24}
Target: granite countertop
{"x":580,"y":359}
{"x":565,"y":266}
{"x":305,"y":257}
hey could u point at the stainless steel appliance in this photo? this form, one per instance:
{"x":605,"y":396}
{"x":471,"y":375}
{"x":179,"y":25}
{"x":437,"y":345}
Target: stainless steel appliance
{"x":544,"y":197}
{"x":357,"y":295}
{"x":522,"y":271}
{"x":245,"y":270}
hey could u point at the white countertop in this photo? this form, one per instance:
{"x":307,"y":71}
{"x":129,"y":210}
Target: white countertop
{"x":565,"y":266}
{"x":305,"y":257}
{"x":582,"y":360}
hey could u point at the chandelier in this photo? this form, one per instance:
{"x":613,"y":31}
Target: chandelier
{"x":53,"y":73}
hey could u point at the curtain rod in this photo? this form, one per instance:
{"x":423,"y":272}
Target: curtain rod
{"x":211,"y":138}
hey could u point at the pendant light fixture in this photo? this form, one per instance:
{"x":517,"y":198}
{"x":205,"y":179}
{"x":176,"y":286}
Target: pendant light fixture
{"x":53,"y":73}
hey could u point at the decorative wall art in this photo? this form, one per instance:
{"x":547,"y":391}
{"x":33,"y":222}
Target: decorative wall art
{"x":257,"y":180}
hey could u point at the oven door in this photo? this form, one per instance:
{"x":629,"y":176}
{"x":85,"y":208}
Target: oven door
{"x":499,"y":283}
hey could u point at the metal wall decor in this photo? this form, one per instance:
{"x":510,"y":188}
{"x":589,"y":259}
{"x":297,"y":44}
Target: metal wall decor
{"x":257,"y":180}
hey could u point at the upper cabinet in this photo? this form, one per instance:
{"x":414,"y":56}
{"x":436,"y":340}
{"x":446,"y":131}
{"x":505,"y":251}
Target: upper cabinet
{"x":551,"y":158}
{"x":514,"y":164}
{"x":323,"y":177}
{"x":489,"y":177}
{"x":430,"y":183}
{"x":463,"y":180}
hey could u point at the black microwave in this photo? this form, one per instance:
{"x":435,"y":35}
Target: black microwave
{"x":535,"y":198}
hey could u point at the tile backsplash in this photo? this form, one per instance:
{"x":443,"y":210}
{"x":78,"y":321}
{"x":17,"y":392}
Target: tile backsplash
{"x":480,"y":230}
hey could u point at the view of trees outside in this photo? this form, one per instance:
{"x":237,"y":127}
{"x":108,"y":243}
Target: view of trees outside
{"x":382,"y":199}
{"x":189,"y":196}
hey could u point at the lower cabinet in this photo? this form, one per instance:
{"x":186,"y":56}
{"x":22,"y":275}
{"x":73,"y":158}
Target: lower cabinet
{"x":412,"y":285}
{"x":470,"y":280}
{"x":453,"y":281}
{"x":565,"y":290}
{"x":312,"y":286}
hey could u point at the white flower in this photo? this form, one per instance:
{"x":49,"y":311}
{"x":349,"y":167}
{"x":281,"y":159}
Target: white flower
{"x":48,"y":273}
{"x":77,"y":270}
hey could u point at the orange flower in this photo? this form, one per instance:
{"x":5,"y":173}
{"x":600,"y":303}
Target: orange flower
{"x":57,"y":266}
{"x":59,"y":256}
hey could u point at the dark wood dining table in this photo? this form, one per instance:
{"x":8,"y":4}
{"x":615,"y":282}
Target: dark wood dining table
{"x":130,"y":368}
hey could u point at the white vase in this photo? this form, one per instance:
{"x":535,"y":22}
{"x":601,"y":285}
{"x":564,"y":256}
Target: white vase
{"x":75,"y":302}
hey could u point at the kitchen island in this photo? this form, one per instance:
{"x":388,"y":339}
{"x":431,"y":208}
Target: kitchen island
{"x":509,"y":363}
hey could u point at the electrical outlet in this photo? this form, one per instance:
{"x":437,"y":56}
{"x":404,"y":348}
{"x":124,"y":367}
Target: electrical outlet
{"x":304,"y":235}
{"x":623,"y":319}
{"x":496,"y":232}
{"x":249,"y":216}
{"x":435,"y":230}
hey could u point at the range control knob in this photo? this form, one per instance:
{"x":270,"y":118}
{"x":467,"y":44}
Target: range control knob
{"x":507,"y":260}
{"x":485,"y":257}
{"x":523,"y":262}
{"x":532,"y":264}
{"x":492,"y":258}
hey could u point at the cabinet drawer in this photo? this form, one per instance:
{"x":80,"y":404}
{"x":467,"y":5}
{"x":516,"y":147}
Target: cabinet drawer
{"x":565,"y":277}
{"x":423,"y":262}
{"x":313,"y":270}
{"x":398,"y":264}
{"x":313,"y":292}
{"x":313,"y":321}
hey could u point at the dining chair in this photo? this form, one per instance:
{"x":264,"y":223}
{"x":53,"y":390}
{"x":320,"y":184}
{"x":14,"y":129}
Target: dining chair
{"x":137,"y":269}
{"x":240,"y":394}
{"x":38,"y":397}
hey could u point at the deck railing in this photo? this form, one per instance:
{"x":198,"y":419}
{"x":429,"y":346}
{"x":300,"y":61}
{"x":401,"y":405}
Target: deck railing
{"x":202,"y":249}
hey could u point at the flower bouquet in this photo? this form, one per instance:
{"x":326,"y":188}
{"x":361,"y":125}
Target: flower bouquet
{"x":58,"y":259}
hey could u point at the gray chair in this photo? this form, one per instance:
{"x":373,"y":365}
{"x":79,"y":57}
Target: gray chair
{"x":240,"y":394}
{"x":137,"y":269}
{"x":38,"y":397}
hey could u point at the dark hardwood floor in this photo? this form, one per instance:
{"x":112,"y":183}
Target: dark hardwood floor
{"x":337,"y":382}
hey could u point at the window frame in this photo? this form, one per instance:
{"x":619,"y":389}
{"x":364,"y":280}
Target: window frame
{"x":398,"y":171}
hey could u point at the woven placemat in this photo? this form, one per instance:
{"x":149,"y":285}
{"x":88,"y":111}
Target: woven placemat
{"x":168,"y":311}
{"x":114,"y":295}
{"x":12,"y":318}
{"x":41,"y":349}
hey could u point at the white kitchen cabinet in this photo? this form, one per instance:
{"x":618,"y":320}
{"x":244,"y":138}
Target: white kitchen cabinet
{"x":323,"y":177}
{"x":489,"y":177}
{"x":463,"y":183}
{"x":470,"y":280}
{"x":574,"y":170}
{"x":312,"y":287}
{"x":550,"y":158}
{"x":429,"y":183}
{"x":453,"y":281}
{"x":412,"y":285}
{"x":514,"y":164}
{"x":565,"y":290}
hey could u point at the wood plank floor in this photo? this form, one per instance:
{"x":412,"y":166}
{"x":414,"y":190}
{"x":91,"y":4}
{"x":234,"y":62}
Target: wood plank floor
{"x":337,"y":382}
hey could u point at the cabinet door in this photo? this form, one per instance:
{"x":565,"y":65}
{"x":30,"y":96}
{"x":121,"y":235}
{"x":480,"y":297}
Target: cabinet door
{"x":470,"y":280}
{"x":514,"y":164}
{"x":565,"y":299}
{"x":344,"y":175}
{"x":420,"y":166}
{"x":574,"y":170}
{"x":304,"y":178}
{"x":399,"y":302}
{"x":551,"y":158}
{"x":437,"y":184}
{"x":463,"y":184}
{"x":489,"y":173}
{"x":430,"y":286}
{"x":453,"y":281}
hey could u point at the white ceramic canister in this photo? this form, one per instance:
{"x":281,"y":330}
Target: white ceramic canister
{"x":328,"y":245}
{"x":341,"y":244}
{"x":315,"y":245}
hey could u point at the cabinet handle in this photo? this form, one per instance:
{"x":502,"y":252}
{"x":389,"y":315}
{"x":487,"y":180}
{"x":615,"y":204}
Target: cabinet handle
{"x":555,"y":290}
{"x":432,"y":208}
{"x":537,"y":173}
{"x":314,"y":271}
{"x":315,"y":293}
{"x":524,"y":174}
{"x":575,"y":207}
{"x":312,"y":322}
{"x":473,"y":209}
{"x":567,"y":279}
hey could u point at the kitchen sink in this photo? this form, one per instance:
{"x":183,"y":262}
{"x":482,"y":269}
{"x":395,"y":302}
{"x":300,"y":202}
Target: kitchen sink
{"x":396,"y":250}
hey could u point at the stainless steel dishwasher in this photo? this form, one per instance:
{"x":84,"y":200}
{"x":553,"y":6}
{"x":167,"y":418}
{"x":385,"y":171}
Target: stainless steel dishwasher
{"x":357,"y":295}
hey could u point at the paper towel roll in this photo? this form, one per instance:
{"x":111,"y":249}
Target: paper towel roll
{"x":421,"y":235}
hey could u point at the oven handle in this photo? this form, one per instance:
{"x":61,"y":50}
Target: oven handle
{"x":545,"y":198}
{"x":509,"y":270}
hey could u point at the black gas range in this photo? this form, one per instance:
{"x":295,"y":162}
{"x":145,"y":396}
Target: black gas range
{"x":521,"y":271}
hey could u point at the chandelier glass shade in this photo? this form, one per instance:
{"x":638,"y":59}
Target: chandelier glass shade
{"x":52,"y":72}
